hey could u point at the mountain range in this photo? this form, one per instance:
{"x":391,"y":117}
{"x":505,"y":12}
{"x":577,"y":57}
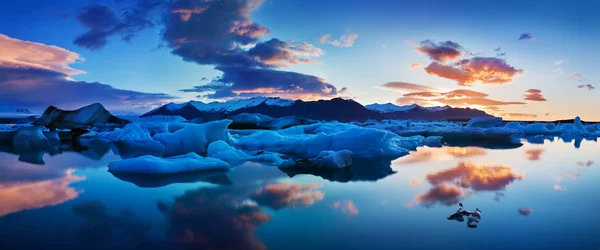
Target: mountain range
{"x":335,"y":109}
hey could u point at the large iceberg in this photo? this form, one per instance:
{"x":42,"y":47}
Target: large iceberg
{"x":148,"y":164}
{"x":194,"y":137}
{"x":486,"y":122}
{"x":309,"y":140}
{"x":83,"y":118}
{"x":260,"y":121}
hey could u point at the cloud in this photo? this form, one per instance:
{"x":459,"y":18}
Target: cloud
{"x":475,"y":101}
{"x":416,"y":65}
{"x":410,"y":100}
{"x":574,"y":75}
{"x":416,"y":182}
{"x":534,"y":95}
{"x":440,"y":52}
{"x":525,"y":211}
{"x":221,"y":33}
{"x":284,"y":194}
{"x":43,"y":79}
{"x":278,"y":53}
{"x":558,"y":62}
{"x":15,"y":53}
{"x":102,"y":22}
{"x":483,"y":70}
{"x":246,"y":82}
{"x":346,"y":40}
{"x":462,"y":152}
{"x":588,"y":86}
{"x":454,"y":94}
{"x":585,"y":163}
{"x":406,"y":87}
{"x":440,"y":194}
{"x":346,"y":206}
{"x":518,"y":115}
{"x":534,"y":153}
{"x":478,"y":178}
{"x":526,"y":36}
{"x":572,"y":175}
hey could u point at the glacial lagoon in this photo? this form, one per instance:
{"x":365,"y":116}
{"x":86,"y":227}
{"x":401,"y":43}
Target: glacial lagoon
{"x":541,"y":195}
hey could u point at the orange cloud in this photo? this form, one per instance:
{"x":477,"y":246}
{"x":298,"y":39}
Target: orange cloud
{"x":533,"y":154}
{"x":416,"y":65}
{"x":186,"y":14}
{"x":483,"y":70}
{"x":416,"y":182}
{"x":283,"y":194}
{"x":442,"y":194}
{"x":346,"y":206}
{"x":478,"y":178}
{"x":460,"y":152}
{"x":475,"y":101}
{"x":30,"y":195}
{"x":534,"y":95}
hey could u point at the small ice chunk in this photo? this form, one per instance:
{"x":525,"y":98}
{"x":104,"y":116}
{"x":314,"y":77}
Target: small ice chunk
{"x":486,"y":122}
{"x":148,"y":164}
{"x":433,"y":141}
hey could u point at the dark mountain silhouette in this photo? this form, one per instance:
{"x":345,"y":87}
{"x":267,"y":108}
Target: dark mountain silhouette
{"x":335,"y":109}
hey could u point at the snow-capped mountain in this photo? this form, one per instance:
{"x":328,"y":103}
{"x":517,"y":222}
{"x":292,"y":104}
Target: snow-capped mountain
{"x":194,"y":109}
{"x":334,"y":109}
{"x":389,"y":107}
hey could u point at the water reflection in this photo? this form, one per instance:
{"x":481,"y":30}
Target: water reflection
{"x":155,"y":181}
{"x":360,"y":170}
{"x":17,"y":196}
{"x":427,"y":154}
{"x":533,"y":154}
{"x":450,"y":185}
{"x":102,"y":229}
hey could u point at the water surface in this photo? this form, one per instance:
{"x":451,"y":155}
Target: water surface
{"x":538,"y":196}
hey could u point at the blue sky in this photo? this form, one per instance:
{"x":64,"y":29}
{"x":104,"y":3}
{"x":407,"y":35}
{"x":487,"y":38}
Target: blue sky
{"x":388,"y":36}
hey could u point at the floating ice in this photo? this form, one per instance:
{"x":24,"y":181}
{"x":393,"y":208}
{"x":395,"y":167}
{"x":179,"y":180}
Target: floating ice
{"x":309,"y":140}
{"x":260,"y":121}
{"x":331,"y":159}
{"x":32,"y":137}
{"x":486,"y":122}
{"x":194,"y":137}
{"x":148,"y":164}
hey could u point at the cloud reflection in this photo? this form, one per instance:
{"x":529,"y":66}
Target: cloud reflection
{"x":450,"y":185}
{"x":20,"y":196}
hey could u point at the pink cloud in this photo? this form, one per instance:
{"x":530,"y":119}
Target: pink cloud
{"x":534,"y":95}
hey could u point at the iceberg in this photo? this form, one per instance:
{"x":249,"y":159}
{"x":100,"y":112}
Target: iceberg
{"x":260,"y":121}
{"x":331,"y":159}
{"x":222,"y":150}
{"x":486,"y":122}
{"x":148,"y":164}
{"x":194,"y":137}
{"x":83,"y":118}
{"x":307,"y":141}
{"x":32,"y":137}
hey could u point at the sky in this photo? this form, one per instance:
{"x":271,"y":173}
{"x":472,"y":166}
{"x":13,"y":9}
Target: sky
{"x":522,"y":60}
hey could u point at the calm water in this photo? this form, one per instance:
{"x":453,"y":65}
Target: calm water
{"x":532,"y":197}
